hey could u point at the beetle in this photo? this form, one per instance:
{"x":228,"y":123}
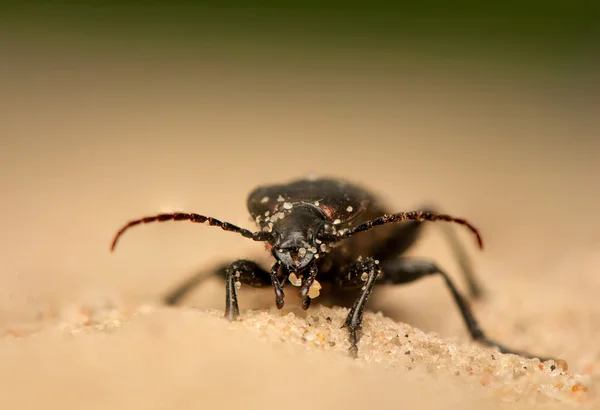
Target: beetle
{"x":326,"y":231}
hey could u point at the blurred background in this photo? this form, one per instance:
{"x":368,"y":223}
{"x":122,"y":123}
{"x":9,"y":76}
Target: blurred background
{"x":115,"y":110}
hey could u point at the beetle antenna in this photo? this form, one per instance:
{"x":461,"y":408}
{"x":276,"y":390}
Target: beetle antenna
{"x":411,"y":216}
{"x":180,"y":216}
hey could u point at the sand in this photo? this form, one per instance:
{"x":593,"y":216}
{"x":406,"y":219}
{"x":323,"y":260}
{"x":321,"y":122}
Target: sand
{"x":122,"y":354}
{"x":155,"y":357}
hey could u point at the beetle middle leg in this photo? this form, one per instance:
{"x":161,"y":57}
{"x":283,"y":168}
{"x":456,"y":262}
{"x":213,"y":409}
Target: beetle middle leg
{"x":252,"y":275}
{"x":243,"y":271}
{"x":406,"y":235}
{"x":179,"y":292}
{"x":405,"y":270}
{"x":361,"y":274}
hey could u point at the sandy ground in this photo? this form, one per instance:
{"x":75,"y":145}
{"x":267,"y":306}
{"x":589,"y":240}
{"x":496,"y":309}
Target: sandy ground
{"x":89,"y":147}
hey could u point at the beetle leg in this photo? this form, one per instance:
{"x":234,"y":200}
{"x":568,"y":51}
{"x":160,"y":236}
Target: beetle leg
{"x":361,"y":274}
{"x":475,"y":289}
{"x":406,"y":234}
{"x":404,"y":270}
{"x":182,"y":289}
{"x":277,"y":286}
{"x":259,"y":278}
{"x":242,"y":271}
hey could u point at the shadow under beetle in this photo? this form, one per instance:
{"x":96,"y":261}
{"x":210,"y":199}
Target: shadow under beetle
{"x":317,"y":230}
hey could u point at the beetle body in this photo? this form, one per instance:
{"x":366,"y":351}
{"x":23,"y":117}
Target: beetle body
{"x":296,"y":211}
{"x":331,"y":205}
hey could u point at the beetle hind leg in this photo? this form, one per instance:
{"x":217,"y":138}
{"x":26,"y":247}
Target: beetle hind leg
{"x":405,"y":270}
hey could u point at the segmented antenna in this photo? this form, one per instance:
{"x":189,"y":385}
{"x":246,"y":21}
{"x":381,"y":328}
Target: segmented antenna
{"x":411,"y":216}
{"x":196,"y":218}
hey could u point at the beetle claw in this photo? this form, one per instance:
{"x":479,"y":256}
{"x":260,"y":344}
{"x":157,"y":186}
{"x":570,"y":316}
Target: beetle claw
{"x":279,"y":302}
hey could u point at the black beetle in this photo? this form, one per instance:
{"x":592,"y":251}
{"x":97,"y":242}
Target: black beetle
{"x":319,"y":228}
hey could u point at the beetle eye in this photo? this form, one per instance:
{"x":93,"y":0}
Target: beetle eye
{"x":327,"y":234}
{"x":327,"y":228}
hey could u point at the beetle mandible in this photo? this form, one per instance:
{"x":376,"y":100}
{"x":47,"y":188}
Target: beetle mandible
{"x":317,"y":230}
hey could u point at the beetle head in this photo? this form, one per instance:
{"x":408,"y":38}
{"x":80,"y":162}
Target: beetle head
{"x":294,"y":236}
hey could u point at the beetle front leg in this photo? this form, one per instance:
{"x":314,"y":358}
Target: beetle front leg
{"x":246,"y":272}
{"x":362,"y":274}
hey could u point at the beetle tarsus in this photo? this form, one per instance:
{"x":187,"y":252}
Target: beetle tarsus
{"x":306,"y":303}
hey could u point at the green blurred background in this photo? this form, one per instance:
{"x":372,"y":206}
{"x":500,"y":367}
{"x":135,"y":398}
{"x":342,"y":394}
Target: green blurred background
{"x":558,"y":34}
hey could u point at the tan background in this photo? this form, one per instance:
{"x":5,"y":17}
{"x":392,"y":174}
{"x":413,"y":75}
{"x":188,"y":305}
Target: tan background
{"x":93,"y":138}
